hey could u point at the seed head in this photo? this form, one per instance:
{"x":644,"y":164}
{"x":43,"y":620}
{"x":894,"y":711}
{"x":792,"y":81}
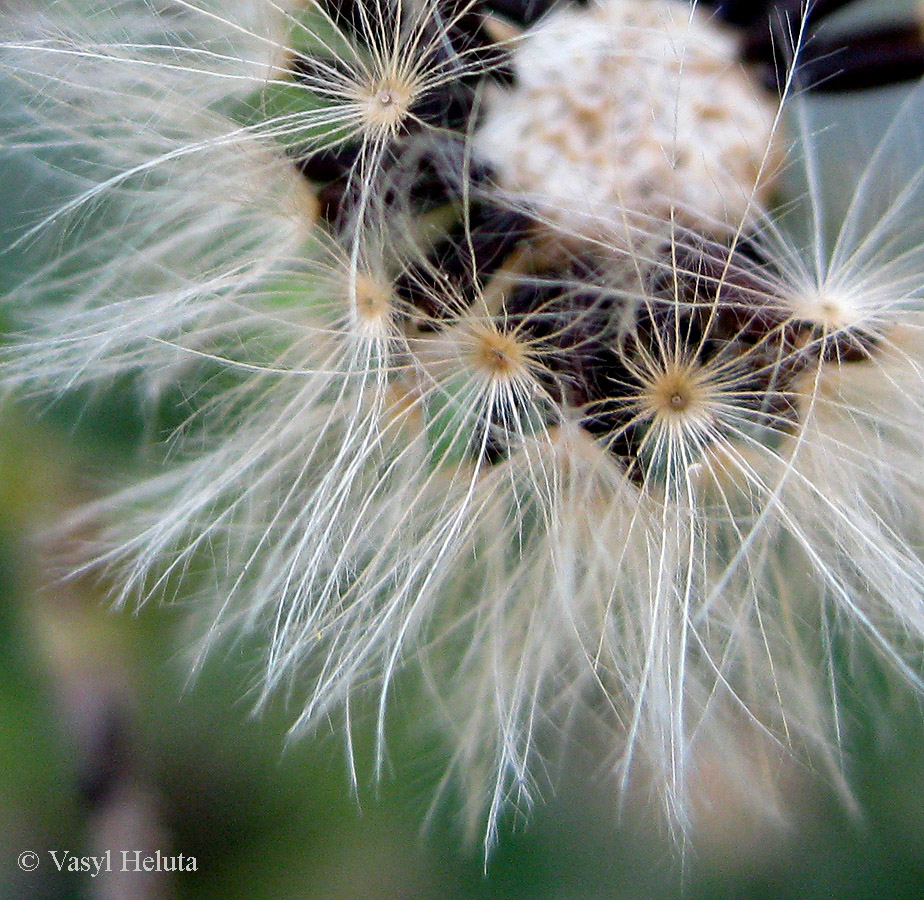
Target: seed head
{"x":540,"y":400}
{"x":687,"y":141}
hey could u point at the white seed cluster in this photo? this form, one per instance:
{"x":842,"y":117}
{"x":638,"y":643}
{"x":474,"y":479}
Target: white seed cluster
{"x":634,"y":475}
{"x":628,"y":113}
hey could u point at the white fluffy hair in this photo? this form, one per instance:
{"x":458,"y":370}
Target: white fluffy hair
{"x":331,"y":486}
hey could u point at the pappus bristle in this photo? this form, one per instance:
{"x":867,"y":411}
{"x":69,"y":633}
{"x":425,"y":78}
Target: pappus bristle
{"x":511,"y":360}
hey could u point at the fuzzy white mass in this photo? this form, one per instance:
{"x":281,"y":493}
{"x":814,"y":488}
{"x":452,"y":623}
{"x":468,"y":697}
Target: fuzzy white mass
{"x":626,"y":112}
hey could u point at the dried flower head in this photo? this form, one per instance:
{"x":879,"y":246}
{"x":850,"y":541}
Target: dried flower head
{"x":510,"y":351}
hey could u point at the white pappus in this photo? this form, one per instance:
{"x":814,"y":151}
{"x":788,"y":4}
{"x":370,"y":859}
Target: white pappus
{"x":522,"y":347}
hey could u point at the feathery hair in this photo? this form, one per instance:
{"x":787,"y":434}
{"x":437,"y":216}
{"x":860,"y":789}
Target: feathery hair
{"x":519,"y":345}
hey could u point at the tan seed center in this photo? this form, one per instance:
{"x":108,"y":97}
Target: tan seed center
{"x":498,"y":354}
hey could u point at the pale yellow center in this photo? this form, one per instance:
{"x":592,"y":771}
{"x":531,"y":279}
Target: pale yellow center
{"x":497,"y":355}
{"x":385,"y":104}
{"x":675,"y":394}
{"x":373,"y":300}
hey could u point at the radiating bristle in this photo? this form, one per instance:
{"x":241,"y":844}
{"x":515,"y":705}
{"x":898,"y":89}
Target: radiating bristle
{"x":531,"y":359}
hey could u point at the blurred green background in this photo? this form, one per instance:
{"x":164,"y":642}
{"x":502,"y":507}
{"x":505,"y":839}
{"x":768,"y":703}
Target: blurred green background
{"x":106,"y":743}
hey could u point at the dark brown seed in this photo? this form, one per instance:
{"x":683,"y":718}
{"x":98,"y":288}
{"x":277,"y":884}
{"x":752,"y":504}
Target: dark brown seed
{"x":876,"y":59}
{"x":526,"y":12}
{"x":357,"y":17}
{"x":332,"y":164}
{"x":772,"y":32}
{"x":461,"y":264}
{"x":572,"y":320}
{"x":741,"y":12}
{"x":870,"y":58}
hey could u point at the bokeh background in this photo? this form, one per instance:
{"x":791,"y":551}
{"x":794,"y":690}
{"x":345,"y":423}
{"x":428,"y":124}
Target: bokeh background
{"x":107,"y":743}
